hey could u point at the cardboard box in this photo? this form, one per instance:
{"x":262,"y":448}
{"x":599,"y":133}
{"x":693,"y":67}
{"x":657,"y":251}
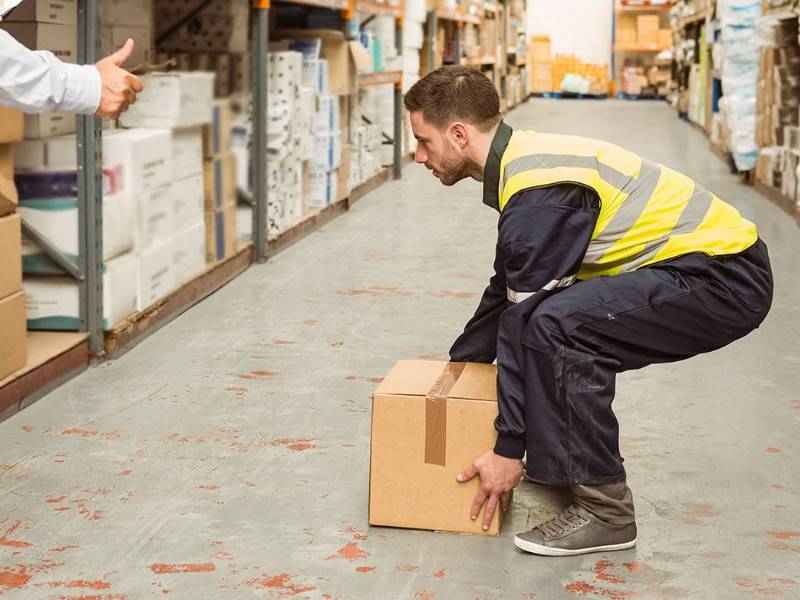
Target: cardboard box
{"x":127,"y":12}
{"x":187,"y":152}
{"x":62,"y":12}
{"x":217,"y":134}
{"x":10,"y":251}
{"x":13,"y":347}
{"x":340,"y":54}
{"x":435,"y":418}
{"x":343,"y":173}
{"x":113,"y":37}
{"x":45,"y":125}
{"x":647,"y":27}
{"x":187,"y":201}
{"x":189,"y":252}
{"x":221,"y":233}
{"x":57,"y":220}
{"x":11,"y":125}
{"x":664,"y":38}
{"x":53,"y":302}
{"x":219,"y":181}
{"x":172,"y":100}
{"x":30,"y":155}
{"x":61,"y":40}
{"x":8,"y":191}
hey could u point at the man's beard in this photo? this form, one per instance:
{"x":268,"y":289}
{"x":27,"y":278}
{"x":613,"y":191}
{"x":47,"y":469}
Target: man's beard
{"x":455,"y":168}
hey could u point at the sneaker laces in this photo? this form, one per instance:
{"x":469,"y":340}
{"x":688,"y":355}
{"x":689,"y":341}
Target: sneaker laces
{"x":568,"y":521}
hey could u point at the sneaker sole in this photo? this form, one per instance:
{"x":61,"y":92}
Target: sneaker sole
{"x":548,"y":551}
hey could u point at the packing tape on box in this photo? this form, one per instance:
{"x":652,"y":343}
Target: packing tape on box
{"x":436,"y":413}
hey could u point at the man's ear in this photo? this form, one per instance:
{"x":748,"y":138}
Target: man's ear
{"x":458,"y":134}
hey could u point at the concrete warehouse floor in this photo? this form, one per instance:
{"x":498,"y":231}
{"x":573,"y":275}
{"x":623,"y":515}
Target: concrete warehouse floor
{"x":227,"y":455}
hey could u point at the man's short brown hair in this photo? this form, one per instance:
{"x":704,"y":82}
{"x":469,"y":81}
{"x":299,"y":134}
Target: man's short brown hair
{"x":455,"y":93}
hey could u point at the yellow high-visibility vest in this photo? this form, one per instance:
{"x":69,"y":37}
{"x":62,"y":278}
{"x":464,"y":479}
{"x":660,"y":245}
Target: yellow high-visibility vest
{"x":648,"y":212}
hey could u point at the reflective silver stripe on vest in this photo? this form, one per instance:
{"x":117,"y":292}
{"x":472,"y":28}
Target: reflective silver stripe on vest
{"x":692,"y":215}
{"x":627,"y":214}
{"x":551,"y":161}
{"x":517,"y":297}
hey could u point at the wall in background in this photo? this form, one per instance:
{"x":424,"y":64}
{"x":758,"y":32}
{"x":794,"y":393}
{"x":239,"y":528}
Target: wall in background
{"x":580,"y":27}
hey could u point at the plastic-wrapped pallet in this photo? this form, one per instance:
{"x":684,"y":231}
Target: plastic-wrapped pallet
{"x":739,"y":19}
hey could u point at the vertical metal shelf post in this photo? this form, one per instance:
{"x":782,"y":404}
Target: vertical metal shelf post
{"x":90,"y":192}
{"x":259,"y":23}
{"x":398,"y":106}
{"x":431,"y":27}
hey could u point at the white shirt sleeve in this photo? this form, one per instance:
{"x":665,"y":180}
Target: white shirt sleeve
{"x":36,"y":81}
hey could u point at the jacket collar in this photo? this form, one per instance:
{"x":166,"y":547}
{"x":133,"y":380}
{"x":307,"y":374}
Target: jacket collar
{"x":491,"y":172}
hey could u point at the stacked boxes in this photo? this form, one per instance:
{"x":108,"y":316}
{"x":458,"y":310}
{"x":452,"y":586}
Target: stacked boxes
{"x":123,"y":19}
{"x":219,"y":203}
{"x":593,"y":78}
{"x":540,"y":59}
{"x":13,"y":353}
{"x":47,"y":25}
{"x":642,"y":30}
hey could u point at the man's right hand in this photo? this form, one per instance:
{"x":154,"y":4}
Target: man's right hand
{"x":119,"y":87}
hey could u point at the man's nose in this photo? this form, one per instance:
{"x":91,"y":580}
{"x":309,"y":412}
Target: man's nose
{"x":419,"y":156}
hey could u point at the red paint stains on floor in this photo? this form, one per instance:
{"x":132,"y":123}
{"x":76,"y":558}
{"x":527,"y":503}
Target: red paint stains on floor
{"x":257,"y":375}
{"x":357,"y":535}
{"x":365,"y":569}
{"x":633,"y":566}
{"x":249,"y":484}
{"x":754,"y":587}
{"x":91,"y":585}
{"x":424,"y":595}
{"x":222,"y":555}
{"x":55,"y":500}
{"x":360,"y":378}
{"x":600,"y":570}
{"x":779,"y":506}
{"x":718,"y":554}
{"x":91,"y":515}
{"x":690,"y":513}
{"x":124,"y":473}
{"x":782,"y":580}
{"x":784,"y":535}
{"x":310,"y":322}
{"x":348,"y":445}
{"x":5,"y":541}
{"x":377,"y":292}
{"x":164,"y":569}
{"x":448,"y":294}
{"x":87,"y":433}
{"x":281,"y":584}
{"x":580,"y":587}
{"x":295,"y":445}
{"x":239,"y":391}
{"x":13,"y":579}
{"x":60,"y":458}
{"x":784,"y":546}
{"x":27,"y":428}
{"x":772,"y":450}
{"x":408,"y":568}
{"x":284,"y":342}
{"x":796,"y":404}
{"x":63,"y":548}
{"x":440,"y":573}
{"x":209,"y":488}
{"x":349,"y":552}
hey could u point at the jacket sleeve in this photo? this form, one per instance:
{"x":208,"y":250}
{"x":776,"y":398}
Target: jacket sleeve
{"x":543,"y":235}
{"x":478,"y":343}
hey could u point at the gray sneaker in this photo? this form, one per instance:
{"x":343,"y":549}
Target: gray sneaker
{"x":576,"y":531}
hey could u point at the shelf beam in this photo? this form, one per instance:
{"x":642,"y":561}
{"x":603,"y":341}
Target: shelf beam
{"x":258,"y":149}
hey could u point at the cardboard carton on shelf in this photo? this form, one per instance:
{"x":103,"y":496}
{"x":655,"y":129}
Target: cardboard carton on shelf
{"x":219,"y":181}
{"x":9,"y":199}
{"x":61,"y":40}
{"x":113,"y":37}
{"x":127,"y":12}
{"x":13,"y":347}
{"x":220,"y":228}
{"x":46,"y":125}
{"x":10,"y":250}
{"x":647,"y":28}
{"x":11,"y":125}
{"x":217,"y":133}
{"x":434,"y":419}
{"x":61,"y":12}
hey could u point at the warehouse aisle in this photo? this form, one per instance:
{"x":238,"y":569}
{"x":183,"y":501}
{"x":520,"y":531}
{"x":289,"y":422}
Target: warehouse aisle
{"x":227,"y":455}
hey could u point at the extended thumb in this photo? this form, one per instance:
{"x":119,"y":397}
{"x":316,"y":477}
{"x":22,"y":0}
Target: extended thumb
{"x":120,"y":56}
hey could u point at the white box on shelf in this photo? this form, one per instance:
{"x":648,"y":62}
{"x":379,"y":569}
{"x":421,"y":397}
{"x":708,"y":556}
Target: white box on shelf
{"x":30,"y":155}
{"x":45,"y":125}
{"x":172,"y":100}
{"x":187,"y":201}
{"x":156,"y":274}
{"x":322,"y":188}
{"x":187,"y":152}
{"x":315,"y":75}
{"x":327,"y":116}
{"x":57,"y":220}
{"x":327,"y":150}
{"x":155,"y":218}
{"x":53,"y":302}
{"x":189,"y":252}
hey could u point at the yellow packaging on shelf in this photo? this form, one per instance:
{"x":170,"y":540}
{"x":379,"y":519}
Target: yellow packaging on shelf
{"x":435,"y":418}
{"x":664,"y":38}
{"x":13,"y":331}
{"x":11,"y":125}
{"x":647,"y":27}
